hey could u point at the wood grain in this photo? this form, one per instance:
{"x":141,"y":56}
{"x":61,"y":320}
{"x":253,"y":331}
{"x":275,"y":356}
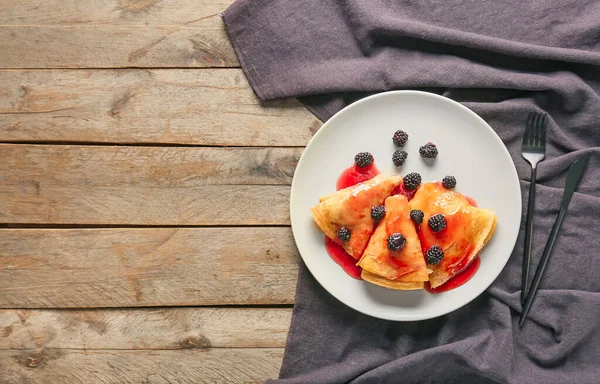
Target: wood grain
{"x":145,"y":186}
{"x":83,"y":268}
{"x":116,"y":103}
{"x":112,"y":12}
{"x":147,"y":328}
{"x":114,"y":47}
{"x":178,"y":167}
{"x":217,"y":365}
{"x":114,"y":33}
{"x":178,"y":106}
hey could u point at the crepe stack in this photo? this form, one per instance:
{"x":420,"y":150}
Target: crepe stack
{"x":351,"y":208}
{"x":468,"y":229}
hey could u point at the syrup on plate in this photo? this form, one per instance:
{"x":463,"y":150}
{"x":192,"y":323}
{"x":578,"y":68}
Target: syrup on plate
{"x":400,"y":190}
{"x":458,"y":280}
{"x":349,"y":177}
{"x":471,"y":201}
{"x":342,"y":258}
{"x":354,"y":175}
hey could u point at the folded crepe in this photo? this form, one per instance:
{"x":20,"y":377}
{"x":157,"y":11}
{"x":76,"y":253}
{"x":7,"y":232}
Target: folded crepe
{"x":351,"y":208}
{"x":404,"y":269}
{"x":468,"y":229}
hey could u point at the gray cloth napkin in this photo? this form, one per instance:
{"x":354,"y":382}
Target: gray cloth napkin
{"x":502,"y":60}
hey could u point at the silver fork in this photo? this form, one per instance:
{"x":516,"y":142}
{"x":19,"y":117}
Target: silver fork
{"x":534,"y":151}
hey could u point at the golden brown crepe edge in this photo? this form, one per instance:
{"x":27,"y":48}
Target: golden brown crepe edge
{"x":438,"y":279}
{"x":369,"y":261}
{"x":395,"y":179}
{"x":320,"y":218}
{"x":391,"y":284}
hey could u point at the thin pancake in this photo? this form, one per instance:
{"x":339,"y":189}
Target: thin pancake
{"x":351,"y":208}
{"x":391,"y":284}
{"x":405,"y":265}
{"x":468,"y":229}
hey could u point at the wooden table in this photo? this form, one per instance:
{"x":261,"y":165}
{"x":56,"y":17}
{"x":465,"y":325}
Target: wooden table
{"x":144,"y":191}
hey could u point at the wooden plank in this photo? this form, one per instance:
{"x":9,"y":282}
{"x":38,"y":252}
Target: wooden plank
{"x":147,"y":328}
{"x":83,"y":268}
{"x":145,"y":186}
{"x":178,"y":106}
{"x":113,"y":205}
{"x":178,"y":167}
{"x":112,"y":12}
{"x":238,"y":365}
{"x":114,"y":33}
{"x":118,"y":46}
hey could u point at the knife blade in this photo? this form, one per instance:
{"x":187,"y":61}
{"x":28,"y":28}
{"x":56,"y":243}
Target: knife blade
{"x":573,"y":178}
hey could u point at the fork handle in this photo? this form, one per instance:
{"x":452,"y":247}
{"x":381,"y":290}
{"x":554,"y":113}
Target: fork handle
{"x":528,"y":235}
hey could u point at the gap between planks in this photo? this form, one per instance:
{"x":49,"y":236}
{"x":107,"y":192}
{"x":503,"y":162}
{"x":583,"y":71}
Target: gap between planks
{"x":133,"y":144}
{"x":224,"y":306}
{"x":4,"y":226}
{"x":49,"y":69}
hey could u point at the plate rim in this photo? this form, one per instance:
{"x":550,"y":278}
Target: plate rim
{"x":515,"y":231}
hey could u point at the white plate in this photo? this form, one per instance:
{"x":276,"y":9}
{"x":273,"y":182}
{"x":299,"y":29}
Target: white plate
{"x":468,"y":149}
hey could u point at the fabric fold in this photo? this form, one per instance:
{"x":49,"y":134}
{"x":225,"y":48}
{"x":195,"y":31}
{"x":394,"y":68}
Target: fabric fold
{"x":502,"y":60}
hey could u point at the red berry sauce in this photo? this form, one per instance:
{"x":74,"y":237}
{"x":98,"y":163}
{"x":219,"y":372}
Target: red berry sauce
{"x":457,"y":280}
{"x":471,"y":201}
{"x":400,"y":190}
{"x":354,"y":175}
{"x":342,"y":258}
{"x":349,"y":177}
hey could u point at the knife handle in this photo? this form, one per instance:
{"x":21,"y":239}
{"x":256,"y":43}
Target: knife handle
{"x":539,"y":273}
{"x":528,"y":236}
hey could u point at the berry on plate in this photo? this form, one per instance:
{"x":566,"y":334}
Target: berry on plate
{"x":400,"y":138}
{"x":399,"y":157}
{"x":449,"y":182}
{"x":428,"y":151}
{"x":363,"y":159}
{"x":412,"y":181}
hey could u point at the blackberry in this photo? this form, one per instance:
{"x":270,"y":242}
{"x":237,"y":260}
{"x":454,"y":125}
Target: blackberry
{"x":434,"y":255}
{"x":363,"y":159}
{"x":400,"y":138}
{"x":449,"y":182}
{"x":412,"y":181}
{"x":396,"y":242}
{"x":437,"y":222}
{"x":399,"y":157}
{"x":428,"y":151}
{"x":378,"y":212}
{"x":344,"y":234}
{"x":416,"y":215}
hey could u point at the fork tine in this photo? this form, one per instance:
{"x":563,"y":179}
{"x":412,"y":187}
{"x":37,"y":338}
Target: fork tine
{"x":528,"y":129}
{"x":544,"y":127}
{"x":534,"y":126}
{"x":537,"y":138}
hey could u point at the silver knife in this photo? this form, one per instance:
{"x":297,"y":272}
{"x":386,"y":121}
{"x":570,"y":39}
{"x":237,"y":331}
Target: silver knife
{"x":573,"y":177}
